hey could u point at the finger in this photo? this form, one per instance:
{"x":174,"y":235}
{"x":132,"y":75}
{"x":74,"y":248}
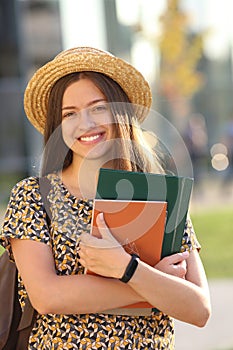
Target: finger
{"x":181,"y":269}
{"x":177,"y":258}
{"x":102,"y":226}
{"x":85,"y":239}
{"x":82,"y":253}
{"x":83,"y":262}
{"x":104,"y":229}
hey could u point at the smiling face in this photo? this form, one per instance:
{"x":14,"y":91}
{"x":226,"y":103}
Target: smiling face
{"x":87,"y":123}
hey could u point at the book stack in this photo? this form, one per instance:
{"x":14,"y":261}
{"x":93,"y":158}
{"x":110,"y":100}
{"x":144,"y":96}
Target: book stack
{"x":145,"y":212}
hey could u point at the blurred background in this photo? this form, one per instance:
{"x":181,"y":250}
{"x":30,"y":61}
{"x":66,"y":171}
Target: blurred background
{"x":185,"y":50}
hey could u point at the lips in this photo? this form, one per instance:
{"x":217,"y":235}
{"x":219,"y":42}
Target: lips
{"x":91,"y":138}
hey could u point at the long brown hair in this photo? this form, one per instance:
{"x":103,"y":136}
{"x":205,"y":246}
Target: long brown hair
{"x":136,"y":154}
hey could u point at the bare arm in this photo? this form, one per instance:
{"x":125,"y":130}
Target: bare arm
{"x":185,"y":299}
{"x":50,"y":293}
{"x":171,"y":288}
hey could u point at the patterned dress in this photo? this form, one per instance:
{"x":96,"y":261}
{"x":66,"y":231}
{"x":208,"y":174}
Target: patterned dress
{"x":26,"y":219}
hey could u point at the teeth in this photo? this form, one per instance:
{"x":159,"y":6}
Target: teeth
{"x":89,"y":138}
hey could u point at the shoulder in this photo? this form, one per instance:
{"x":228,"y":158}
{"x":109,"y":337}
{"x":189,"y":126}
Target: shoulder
{"x":32,"y":189}
{"x":26,"y":185}
{"x":26,"y":191}
{"x":27,"y":182}
{"x":25,"y":216}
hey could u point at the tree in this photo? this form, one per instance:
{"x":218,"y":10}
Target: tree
{"x":180,"y":53}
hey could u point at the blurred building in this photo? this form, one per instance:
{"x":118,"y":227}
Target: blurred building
{"x":29,"y":36}
{"x":34,"y":31}
{"x":31,"y":33}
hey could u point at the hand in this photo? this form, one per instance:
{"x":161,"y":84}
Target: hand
{"x":104,"y":256}
{"x":175,"y":264}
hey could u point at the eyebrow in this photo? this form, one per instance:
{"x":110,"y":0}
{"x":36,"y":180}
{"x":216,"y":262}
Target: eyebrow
{"x":88,"y":105}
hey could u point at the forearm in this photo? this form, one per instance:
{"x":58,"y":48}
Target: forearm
{"x":172,"y":295}
{"x":69,"y":294}
{"x":82,"y":294}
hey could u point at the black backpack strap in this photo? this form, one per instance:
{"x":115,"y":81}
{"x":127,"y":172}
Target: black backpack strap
{"x":45,"y":187}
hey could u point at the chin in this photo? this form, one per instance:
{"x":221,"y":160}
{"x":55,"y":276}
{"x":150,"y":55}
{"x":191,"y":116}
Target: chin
{"x":97,"y":153}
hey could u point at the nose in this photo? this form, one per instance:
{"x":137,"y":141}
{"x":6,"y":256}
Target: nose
{"x":86,"y":121}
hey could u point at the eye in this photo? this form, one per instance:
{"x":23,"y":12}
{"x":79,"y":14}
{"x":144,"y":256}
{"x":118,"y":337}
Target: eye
{"x":99,"y":109}
{"x":69,"y":114}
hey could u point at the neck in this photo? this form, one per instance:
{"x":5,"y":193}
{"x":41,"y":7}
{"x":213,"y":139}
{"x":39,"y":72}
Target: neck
{"x":81,"y":177}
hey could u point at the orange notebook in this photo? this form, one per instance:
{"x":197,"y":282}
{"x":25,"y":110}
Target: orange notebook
{"x":137,"y":225}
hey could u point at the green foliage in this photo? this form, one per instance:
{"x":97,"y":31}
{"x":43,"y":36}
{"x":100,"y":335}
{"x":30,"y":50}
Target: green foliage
{"x":215,"y":233}
{"x":180,"y":53}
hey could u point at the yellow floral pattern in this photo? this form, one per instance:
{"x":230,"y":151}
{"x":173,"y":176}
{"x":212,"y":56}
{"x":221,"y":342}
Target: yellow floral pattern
{"x":26,"y":218}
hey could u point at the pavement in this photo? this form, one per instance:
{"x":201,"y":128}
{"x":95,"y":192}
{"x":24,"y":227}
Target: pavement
{"x":218,"y":333}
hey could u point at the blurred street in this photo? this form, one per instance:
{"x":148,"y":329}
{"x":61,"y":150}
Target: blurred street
{"x":211,"y":193}
{"x":217,"y":335}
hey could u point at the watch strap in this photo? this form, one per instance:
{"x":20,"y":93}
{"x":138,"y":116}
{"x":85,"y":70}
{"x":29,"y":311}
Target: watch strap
{"x":130,"y":269}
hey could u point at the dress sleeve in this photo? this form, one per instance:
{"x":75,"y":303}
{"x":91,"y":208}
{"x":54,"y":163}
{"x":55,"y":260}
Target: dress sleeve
{"x":190,"y":240}
{"x":25,"y":216}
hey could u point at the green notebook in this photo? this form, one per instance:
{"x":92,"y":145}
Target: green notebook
{"x":175,"y":190}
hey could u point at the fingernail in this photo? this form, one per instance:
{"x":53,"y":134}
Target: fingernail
{"x":186,"y":253}
{"x":101,"y":216}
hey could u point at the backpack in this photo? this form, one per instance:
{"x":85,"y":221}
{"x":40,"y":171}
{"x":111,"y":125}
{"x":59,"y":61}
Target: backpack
{"x":15,"y":325}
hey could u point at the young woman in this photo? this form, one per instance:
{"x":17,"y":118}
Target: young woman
{"x":85,"y":102}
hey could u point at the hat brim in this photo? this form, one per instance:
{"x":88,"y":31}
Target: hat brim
{"x":76,"y":60}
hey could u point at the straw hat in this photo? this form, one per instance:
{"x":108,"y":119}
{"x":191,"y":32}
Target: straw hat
{"x":78,"y":60}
